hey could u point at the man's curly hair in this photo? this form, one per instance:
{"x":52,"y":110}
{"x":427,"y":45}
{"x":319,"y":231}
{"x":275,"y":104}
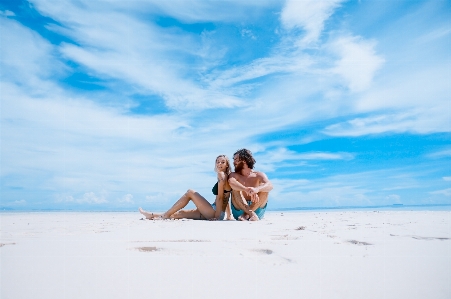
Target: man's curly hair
{"x":246,"y":156}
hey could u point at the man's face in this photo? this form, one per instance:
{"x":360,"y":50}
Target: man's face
{"x":238,"y":164}
{"x":236,"y":159}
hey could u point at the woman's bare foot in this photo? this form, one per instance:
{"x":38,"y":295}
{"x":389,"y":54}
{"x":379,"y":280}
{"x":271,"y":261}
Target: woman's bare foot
{"x":151,"y":216}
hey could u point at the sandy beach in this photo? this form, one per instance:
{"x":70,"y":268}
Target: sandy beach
{"x":339,"y":254}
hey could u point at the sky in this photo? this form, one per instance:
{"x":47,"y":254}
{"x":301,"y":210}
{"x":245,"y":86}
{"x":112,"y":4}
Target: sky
{"x":113,"y":105}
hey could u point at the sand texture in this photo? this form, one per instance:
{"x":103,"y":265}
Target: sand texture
{"x":340,"y":254}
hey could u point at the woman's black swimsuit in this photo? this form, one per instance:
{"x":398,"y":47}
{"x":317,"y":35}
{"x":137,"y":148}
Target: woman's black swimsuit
{"x":215,"y":189}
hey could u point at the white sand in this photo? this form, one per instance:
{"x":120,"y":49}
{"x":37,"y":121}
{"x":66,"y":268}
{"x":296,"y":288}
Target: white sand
{"x":353,"y":254}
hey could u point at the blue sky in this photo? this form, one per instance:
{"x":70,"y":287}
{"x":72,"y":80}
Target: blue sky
{"x":110,"y":105}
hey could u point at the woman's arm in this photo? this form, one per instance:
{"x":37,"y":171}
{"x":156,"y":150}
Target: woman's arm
{"x":220,"y":197}
{"x":228,"y":211}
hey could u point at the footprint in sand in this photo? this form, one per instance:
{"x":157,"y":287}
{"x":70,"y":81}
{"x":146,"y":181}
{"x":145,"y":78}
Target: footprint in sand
{"x":429,"y":238}
{"x":275,"y":259}
{"x":422,"y":238}
{"x":358,"y":242}
{"x":176,"y":241}
{"x":283,"y":237}
{"x":147,"y":249}
{"x":264,"y":251}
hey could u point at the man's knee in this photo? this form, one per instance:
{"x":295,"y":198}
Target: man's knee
{"x":190,"y":192}
{"x":263,"y":196}
{"x":263,"y":200}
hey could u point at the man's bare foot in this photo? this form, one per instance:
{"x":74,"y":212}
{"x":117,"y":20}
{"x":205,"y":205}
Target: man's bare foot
{"x":254,"y":216}
{"x":151,"y":216}
{"x":243,"y":217}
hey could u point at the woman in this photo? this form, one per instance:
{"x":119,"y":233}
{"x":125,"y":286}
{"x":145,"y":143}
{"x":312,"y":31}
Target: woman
{"x":204,"y":210}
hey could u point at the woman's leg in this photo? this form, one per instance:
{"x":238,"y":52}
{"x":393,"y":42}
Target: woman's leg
{"x":203,"y":207}
{"x":188,"y":214}
{"x":149,"y":215}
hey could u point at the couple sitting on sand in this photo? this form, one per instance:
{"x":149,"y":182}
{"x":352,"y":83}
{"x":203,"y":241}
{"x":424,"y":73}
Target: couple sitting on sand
{"x":249,"y":190}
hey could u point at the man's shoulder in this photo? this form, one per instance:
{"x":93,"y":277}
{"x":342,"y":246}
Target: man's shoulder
{"x":233,"y":175}
{"x":260,"y":174}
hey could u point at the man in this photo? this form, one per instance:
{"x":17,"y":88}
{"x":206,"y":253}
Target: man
{"x":250,"y":188}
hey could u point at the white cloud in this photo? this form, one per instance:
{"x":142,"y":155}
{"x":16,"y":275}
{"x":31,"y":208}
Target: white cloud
{"x":201,"y":11}
{"x":287,"y":63}
{"x":141,"y":54}
{"x":358,"y":61}
{"x":89,"y":198}
{"x":328,"y":197}
{"x":447,"y":178}
{"x":26,"y":56}
{"x":440,"y":154}
{"x":325,"y":156}
{"x":433,"y":35}
{"x":7,"y":13}
{"x":415,"y":121}
{"x":309,"y":15}
{"x":372,"y":125}
{"x":369,"y":188}
{"x":92,"y":198}
{"x":445,"y":192}
{"x":393,"y":198}
{"x":128,"y":198}
{"x":246,"y":33}
{"x":281,"y":157}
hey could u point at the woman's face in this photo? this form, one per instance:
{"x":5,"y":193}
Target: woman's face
{"x":221,"y":164}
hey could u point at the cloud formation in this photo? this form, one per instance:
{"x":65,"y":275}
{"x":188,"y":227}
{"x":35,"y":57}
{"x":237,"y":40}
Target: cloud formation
{"x":114,"y":103}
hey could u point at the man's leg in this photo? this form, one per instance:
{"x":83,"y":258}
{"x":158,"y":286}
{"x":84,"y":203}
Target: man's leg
{"x":261,"y":204}
{"x":263,"y":196}
{"x":241,"y":204}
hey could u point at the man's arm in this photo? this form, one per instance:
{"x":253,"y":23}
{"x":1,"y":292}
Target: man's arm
{"x":237,"y":186}
{"x":265,"y":184}
{"x":233,"y":182}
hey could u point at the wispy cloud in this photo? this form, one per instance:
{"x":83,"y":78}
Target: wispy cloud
{"x":358,"y":61}
{"x":440,"y":154}
{"x":308,"y":15}
{"x":7,"y":13}
{"x":445,"y":192}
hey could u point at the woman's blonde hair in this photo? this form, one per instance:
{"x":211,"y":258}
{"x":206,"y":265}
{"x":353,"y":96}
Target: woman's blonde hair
{"x":228,"y":170}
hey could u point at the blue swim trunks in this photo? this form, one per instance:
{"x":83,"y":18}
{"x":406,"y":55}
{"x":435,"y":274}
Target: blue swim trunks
{"x":237,"y":213}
